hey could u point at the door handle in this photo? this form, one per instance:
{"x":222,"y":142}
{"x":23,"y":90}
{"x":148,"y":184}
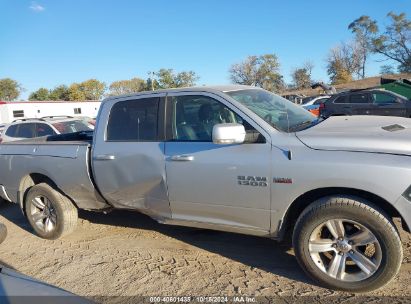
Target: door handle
{"x":182,"y":158}
{"x":104,"y":157}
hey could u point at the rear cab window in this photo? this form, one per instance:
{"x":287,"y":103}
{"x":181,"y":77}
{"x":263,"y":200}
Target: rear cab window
{"x":134,"y":120}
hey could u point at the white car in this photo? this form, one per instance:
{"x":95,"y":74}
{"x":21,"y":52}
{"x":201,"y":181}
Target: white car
{"x":37,"y":127}
{"x":316,"y":101}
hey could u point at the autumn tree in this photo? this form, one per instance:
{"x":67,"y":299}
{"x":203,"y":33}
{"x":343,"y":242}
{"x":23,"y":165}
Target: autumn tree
{"x":261,"y":71}
{"x":121,"y":87}
{"x":9,"y":89}
{"x":343,"y":61}
{"x":91,"y":89}
{"x":302,"y":76}
{"x":40,"y":94}
{"x":365,"y":30}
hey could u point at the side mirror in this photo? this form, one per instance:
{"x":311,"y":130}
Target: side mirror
{"x":228,"y":133}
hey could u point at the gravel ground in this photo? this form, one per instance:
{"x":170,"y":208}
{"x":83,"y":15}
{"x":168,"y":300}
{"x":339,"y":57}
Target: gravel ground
{"x":128,"y":254}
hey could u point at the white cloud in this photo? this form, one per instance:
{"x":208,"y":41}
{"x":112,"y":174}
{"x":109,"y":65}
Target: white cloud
{"x":36,"y":7}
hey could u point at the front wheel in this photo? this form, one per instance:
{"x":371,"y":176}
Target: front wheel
{"x":347,"y":244}
{"x":50,"y":213}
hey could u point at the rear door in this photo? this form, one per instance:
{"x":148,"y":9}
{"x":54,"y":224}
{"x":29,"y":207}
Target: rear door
{"x":387,"y":104}
{"x":128,"y":154}
{"x":360,"y":104}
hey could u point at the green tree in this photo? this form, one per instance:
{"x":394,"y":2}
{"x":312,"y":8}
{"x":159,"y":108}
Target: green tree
{"x":60,"y":92}
{"x":167,"y":78}
{"x":40,"y":94}
{"x":127,"y":86}
{"x":364,"y":29}
{"x":9,"y":89}
{"x":261,"y":71}
{"x":91,"y":89}
{"x":395,"y":42}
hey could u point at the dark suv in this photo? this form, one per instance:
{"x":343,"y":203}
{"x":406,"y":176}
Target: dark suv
{"x":366,"y":102}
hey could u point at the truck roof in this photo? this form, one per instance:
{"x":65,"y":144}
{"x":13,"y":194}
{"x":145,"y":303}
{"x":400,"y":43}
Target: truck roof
{"x":214,"y":88}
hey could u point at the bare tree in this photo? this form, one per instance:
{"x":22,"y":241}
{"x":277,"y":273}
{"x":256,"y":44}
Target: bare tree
{"x":343,"y":61}
{"x":364,"y":29}
{"x":395,"y":42}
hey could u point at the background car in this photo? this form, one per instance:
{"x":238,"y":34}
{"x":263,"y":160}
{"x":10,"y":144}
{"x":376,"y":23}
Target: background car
{"x":37,"y":127}
{"x":366,"y":102}
{"x":313,"y":105}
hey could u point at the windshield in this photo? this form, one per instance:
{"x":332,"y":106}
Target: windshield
{"x":72,"y":126}
{"x":277,"y":111}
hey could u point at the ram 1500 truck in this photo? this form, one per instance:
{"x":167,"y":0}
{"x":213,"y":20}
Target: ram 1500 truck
{"x":231,"y":158}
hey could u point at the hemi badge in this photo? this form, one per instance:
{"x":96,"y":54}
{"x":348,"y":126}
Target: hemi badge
{"x":283,"y":180}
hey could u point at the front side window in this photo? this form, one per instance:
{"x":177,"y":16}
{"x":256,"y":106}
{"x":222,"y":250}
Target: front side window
{"x":134,"y":120}
{"x":383,"y":98}
{"x":280,"y":113}
{"x":194,"y":116}
{"x":44,"y":130}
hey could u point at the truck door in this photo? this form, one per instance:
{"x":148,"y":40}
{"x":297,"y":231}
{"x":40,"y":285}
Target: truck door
{"x":222,"y":185}
{"x":128,"y":155}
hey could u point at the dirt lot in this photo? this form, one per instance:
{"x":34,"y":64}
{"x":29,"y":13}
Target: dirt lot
{"x":126,"y":253}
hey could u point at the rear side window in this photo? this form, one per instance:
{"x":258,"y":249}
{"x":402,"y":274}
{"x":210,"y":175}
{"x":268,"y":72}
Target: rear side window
{"x":11,"y":131}
{"x":358,"y":98}
{"x":134,"y":120}
{"x":26,"y":130}
{"x":340,"y":99}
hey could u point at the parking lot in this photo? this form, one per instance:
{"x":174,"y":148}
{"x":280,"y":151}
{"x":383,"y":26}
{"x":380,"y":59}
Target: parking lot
{"x":128,"y":254}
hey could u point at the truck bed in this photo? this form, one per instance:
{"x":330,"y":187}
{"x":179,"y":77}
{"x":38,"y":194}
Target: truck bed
{"x":43,"y":157}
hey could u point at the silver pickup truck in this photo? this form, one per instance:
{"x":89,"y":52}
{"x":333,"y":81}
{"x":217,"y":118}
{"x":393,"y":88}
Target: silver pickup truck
{"x":232,"y":158}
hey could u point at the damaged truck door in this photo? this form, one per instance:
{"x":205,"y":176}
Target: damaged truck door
{"x":128,"y":156}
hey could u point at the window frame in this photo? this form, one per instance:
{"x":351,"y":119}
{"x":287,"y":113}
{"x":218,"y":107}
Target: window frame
{"x":160,"y":118}
{"x":217,"y":98}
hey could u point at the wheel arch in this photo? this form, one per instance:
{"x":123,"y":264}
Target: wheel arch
{"x":31,"y":180}
{"x":301,"y":202}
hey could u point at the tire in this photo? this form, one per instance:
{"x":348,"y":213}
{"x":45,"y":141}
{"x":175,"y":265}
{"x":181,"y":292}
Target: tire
{"x":51,"y":214}
{"x":366,"y":255}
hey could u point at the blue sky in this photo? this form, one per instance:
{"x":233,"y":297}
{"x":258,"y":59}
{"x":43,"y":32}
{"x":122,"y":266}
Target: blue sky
{"x":45,"y":43}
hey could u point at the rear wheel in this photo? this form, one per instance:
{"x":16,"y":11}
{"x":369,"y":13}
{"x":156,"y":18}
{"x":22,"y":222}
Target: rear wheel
{"x":51,"y":214}
{"x":348,"y":244}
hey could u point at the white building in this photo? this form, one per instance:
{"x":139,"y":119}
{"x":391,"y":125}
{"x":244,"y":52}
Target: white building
{"x":10,"y":111}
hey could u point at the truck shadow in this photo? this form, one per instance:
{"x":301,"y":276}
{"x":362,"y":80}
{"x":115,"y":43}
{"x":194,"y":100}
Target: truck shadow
{"x":256,"y":252}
